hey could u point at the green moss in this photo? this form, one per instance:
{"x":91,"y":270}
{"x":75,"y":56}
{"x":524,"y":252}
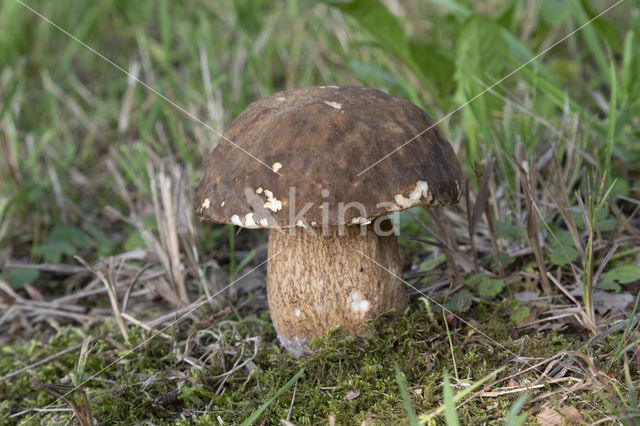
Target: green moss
{"x":151,"y":385}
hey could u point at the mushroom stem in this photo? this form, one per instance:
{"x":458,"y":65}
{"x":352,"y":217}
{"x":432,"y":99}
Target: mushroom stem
{"x":318,"y":282}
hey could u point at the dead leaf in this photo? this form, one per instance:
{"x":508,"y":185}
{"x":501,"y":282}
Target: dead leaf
{"x":551,"y":416}
{"x":605,"y":301}
{"x":352,"y":394}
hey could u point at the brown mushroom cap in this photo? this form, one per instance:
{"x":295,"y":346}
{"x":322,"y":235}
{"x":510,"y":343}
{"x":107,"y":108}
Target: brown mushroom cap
{"x":318,"y":139}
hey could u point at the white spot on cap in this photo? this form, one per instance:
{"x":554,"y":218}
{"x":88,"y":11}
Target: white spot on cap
{"x":297,"y":312}
{"x":360,"y":221}
{"x":357,"y":303}
{"x":206,"y":203}
{"x":235,"y":219}
{"x":421,"y":190}
{"x":301,"y":224}
{"x":272,"y":202}
{"x":222,"y":203}
{"x":249,"y":222}
{"x":281,"y":98}
{"x":259,"y":190}
{"x":335,"y":105}
{"x":329,"y":87}
{"x":276,"y":166}
{"x":263,"y":222}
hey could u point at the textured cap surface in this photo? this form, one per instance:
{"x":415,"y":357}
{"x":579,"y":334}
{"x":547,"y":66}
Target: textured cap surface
{"x":318,"y":139}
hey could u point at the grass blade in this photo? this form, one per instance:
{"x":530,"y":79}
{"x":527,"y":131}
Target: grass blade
{"x":404,"y":393}
{"x":254,"y":416}
{"x":450,"y":414}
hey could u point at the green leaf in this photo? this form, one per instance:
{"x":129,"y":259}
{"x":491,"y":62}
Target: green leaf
{"x":487,"y":288}
{"x":19,"y":277}
{"x":557,"y":256}
{"x":555,"y":11}
{"x":53,"y":251}
{"x":134,"y":241}
{"x":385,"y":28}
{"x":509,"y":230}
{"x":372,"y":72}
{"x":434,"y":64}
{"x":388,"y":33}
{"x":481,"y":59}
{"x":490,"y":288}
{"x":69,"y":234}
{"x":459,"y":302}
{"x":610,"y":285}
{"x":520,"y":314}
{"x":429,"y":264}
{"x":623,"y":274}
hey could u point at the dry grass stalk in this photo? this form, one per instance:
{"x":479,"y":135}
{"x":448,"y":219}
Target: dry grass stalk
{"x":75,"y":398}
{"x":165,"y":212}
{"x":529,"y":188}
{"x":111,"y":291}
{"x":170,"y":216}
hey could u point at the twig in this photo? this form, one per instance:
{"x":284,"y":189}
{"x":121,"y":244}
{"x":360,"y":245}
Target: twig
{"x":293,"y":398}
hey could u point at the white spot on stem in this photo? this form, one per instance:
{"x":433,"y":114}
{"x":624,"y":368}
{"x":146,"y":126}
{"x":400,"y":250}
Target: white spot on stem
{"x":357,"y":303}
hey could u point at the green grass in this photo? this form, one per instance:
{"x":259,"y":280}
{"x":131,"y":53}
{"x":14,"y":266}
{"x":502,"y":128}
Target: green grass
{"x":81,"y":146}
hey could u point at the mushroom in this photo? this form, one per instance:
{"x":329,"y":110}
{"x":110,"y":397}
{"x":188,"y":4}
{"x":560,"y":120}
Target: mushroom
{"x":333,"y":253}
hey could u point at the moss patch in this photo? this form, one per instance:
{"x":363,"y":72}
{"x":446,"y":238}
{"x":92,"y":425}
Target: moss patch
{"x":349,"y":378}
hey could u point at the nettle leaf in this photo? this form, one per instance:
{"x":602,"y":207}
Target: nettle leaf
{"x":486,"y":287}
{"x":19,"y":277}
{"x":490,"y":288}
{"x":52,"y":252}
{"x":557,"y":256}
{"x":623,"y":274}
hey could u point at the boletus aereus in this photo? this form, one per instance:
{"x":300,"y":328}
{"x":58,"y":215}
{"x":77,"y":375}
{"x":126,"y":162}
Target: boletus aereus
{"x":333,"y":253}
